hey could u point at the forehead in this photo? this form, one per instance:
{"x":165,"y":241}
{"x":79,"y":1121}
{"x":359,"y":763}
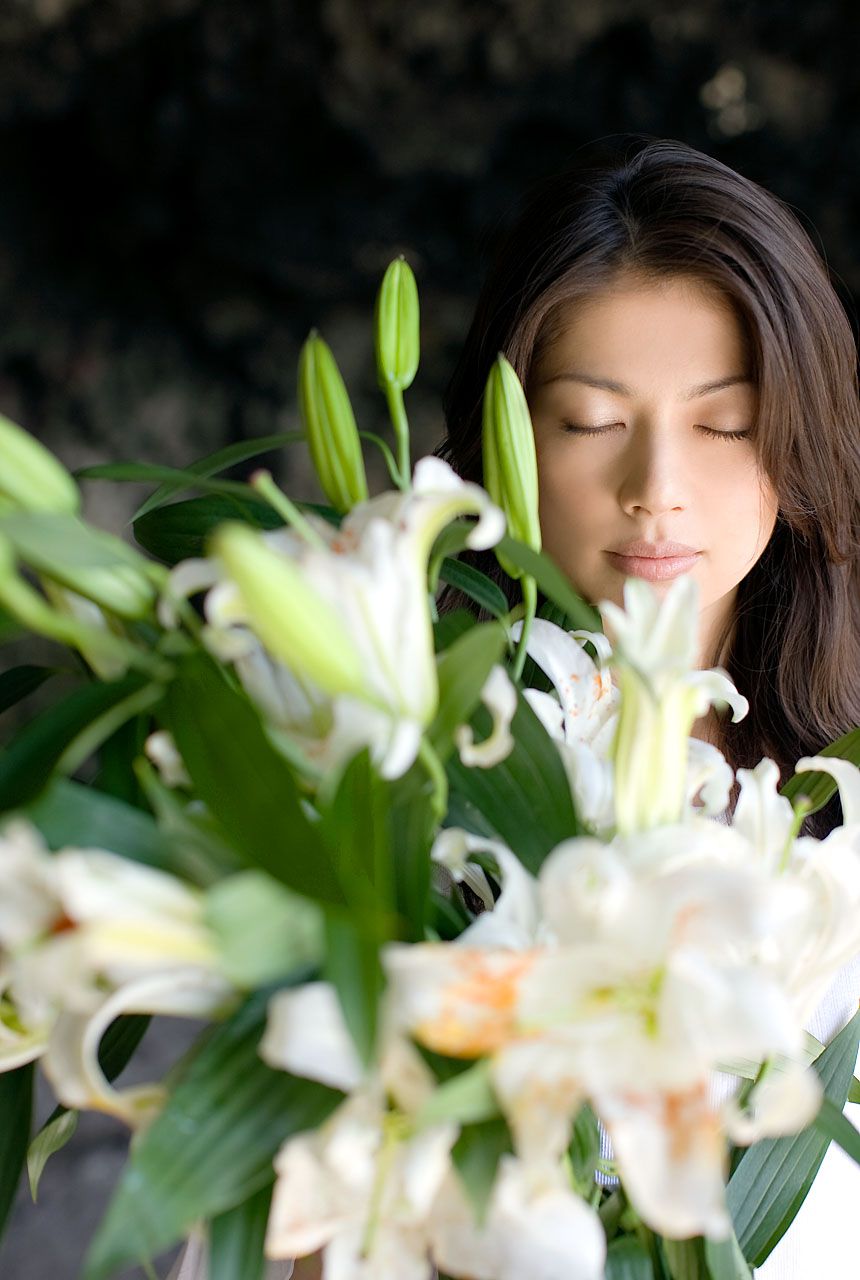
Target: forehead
{"x":677,"y":324}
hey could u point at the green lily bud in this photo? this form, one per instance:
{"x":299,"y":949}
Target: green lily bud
{"x":88,"y":561}
{"x":330,"y":426}
{"x":296,"y":624}
{"x":649,"y":752}
{"x":30,"y":476}
{"x":510,"y":462}
{"x":396,"y":326}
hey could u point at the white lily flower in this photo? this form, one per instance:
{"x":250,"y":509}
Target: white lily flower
{"x":348,"y":618}
{"x":74,"y":920}
{"x":499,"y":696}
{"x":536,"y":1227}
{"x":661,"y":697}
{"x":361,"y":1187}
{"x":71,"y":1057}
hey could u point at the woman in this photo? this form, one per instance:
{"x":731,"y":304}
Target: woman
{"x":714,"y":405}
{"x":692,"y":381}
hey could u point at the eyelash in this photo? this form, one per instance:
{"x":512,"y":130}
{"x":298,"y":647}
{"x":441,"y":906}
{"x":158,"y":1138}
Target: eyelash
{"x":573,"y":429}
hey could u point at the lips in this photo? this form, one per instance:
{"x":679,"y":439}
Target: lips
{"x":654,"y":561}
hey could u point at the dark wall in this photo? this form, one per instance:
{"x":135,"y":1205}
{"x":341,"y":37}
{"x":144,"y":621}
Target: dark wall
{"x":189,"y":185}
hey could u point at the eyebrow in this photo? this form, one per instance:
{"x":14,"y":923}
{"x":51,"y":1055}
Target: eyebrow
{"x":619,"y":388}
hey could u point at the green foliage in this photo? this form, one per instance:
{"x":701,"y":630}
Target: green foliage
{"x":16,"y":1106}
{"x":211,"y":1148}
{"x":773,"y":1177}
{"x":476,"y":1155}
{"x":247,"y":786}
{"x":30,"y":760}
{"x":526,"y":798}
{"x":19,"y":682}
{"x":237,"y":1237}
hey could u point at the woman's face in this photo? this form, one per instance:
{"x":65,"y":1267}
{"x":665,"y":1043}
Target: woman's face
{"x":637,"y":406}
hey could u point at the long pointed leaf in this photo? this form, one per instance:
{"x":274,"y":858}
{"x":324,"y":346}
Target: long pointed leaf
{"x":237,"y":1238}
{"x":211,"y":1148}
{"x":773,"y":1177}
{"x":551,"y":582}
{"x":16,"y":1106}
{"x":19,"y":682}
{"x":246,"y":785}
{"x":27,"y":764}
{"x":229,"y":456}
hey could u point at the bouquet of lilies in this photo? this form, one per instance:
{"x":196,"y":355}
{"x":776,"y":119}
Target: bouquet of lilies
{"x":454,"y":898}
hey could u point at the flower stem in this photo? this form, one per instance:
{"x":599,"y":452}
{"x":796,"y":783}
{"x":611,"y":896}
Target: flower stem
{"x":436,"y":772}
{"x":397,"y":409}
{"x":530,"y":603}
{"x":264,"y":484}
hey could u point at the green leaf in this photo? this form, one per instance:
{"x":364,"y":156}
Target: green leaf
{"x":53,"y":1135}
{"x":552,"y":582}
{"x":725,"y":1260}
{"x":353,"y":966}
{"x":476,"y":1155}
{"x":476,"y":585}
{"x":16,"y":1106}
{"x":229,"y":456}
{"x":412,"y":828}
{"x":145,"y":473}
{"x":355,"y":829}
{"x":19,"y":682}
{"x":584,"y":1147}
{"x":773,"y":1177}
{"x":263,"y":931}
{"x":854,"y":1091}
{"x":819,"y":787}
{"x":180,"y":531}
{"x":626,"y":1259}
{"x":832,"y":1123}
{"x":210,"y":1148}
{"x":237,"y":1237}
{"x":685,"y":1259}
{"x":247,"y":786}
{"x":450,"y":627}
{"x":467,"y":1098}
{"x":462,"y":672}
{"x":526,"y":798}
{"x":69,"y":813}
{"x":27,"y":764}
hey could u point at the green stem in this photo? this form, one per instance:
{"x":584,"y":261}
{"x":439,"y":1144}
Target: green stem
{"x":397,"y":409}
{"x":87,"y":742}
{"x":436,"y":772}
{"x":402,"y":482}
{"x":530,"y":603}
{"x":263,"y":483}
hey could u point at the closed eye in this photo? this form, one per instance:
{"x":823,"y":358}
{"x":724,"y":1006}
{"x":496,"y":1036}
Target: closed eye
{"x":573,"y":428}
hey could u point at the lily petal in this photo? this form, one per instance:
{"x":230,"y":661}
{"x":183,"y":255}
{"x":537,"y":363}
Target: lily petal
{"x":307,"y":1035}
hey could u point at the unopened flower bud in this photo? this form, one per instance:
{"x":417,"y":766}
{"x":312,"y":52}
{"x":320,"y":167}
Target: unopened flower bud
{"x":510,"y":462}
{"x":396,"y":323}
{"x":293,"y":621}
{"x":330,"y":426}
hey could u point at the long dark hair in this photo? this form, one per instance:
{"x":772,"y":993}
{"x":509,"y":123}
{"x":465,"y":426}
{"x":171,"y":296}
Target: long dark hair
{"x":660,"y":208}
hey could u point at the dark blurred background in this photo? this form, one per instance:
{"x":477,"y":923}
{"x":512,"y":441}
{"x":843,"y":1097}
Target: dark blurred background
{"x":187,"y":186}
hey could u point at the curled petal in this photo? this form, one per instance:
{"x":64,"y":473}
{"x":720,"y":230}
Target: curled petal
{"x":71,"y":1059}
{"x":500,"y":698}
{"x":847,"y":777}
{"x":785,"y":1100}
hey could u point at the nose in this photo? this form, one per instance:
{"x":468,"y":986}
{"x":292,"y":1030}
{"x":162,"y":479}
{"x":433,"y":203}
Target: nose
{"x":652,"y":479}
